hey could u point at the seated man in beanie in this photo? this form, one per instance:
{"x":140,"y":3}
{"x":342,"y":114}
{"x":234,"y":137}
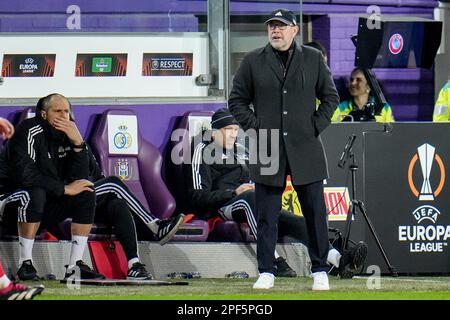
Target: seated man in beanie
{"x":54,"y":175}
{"x":223,"y":188}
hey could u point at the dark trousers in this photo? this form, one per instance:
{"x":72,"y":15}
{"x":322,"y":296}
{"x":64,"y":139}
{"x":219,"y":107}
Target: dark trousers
{"x":115,"y":212}
{"x":242,"y":208}
{"x":112,"y":203}
{"x":35,"y":205}
{"x":268,"y":205}
{"x":115,"y":205}
{"x":113,"y":185}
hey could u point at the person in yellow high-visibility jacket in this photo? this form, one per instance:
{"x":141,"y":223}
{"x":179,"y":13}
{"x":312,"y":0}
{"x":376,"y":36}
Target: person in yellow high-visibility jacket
{"x":442,"y":106}
{"x":357,"y":108}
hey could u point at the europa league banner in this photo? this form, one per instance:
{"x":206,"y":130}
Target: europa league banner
{"x":403,"y":183}
{"x":167,"y":64}
{"x":101,"y":65}
{"x":28,"y":65}
{"x":407,"y":194}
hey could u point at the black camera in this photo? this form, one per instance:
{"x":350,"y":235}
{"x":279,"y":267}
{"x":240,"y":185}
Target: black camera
{"x":365,"y":114}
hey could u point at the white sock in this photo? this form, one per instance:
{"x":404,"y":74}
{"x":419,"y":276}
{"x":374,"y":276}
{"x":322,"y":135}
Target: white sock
{"x":334,"y":257}
{"x":132,"y":261}
{"x":276,"y":254}
{"x":4,"y":281}
{"x":25,"y":249}
{"x":78,"y":245}
{"x":153,"y":226}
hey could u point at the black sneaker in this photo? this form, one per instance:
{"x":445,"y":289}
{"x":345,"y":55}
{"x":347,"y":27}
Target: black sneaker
{"x":352,"y":260}
{"x":282,"y":269}
{"x":17,"y":291}
{"x":138,"y":272}
{"x":168,"y":228}
{"x":83,"y":271}
{"x":27,"y":271}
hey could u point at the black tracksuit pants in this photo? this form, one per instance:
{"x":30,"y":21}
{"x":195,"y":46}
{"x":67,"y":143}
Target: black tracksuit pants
{"x":268,"y":205}
{"x":113,"y":203}
{"x":35,"y":205}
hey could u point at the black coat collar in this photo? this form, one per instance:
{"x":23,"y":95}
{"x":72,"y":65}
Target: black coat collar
{"x":274,"y":63}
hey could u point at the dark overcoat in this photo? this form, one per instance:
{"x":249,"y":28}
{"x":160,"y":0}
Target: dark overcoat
{"x":262,"y":98}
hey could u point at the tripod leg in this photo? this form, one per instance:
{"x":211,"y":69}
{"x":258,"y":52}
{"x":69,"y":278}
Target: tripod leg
{"x":362,"y":208}
{"x":348,"y":225}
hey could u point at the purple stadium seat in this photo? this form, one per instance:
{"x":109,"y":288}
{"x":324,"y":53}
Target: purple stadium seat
{"x":194,"y":230}
{"x":122,"y":151}
{"x":28,"y":112}
{"x":194,"y":123}
{"x":230,"y":231}
{"x":191,"y":124}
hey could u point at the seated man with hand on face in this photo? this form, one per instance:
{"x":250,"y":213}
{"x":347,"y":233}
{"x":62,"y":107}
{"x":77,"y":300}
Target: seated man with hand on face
{"x":223,"y":188}
{"x":54,"y":175}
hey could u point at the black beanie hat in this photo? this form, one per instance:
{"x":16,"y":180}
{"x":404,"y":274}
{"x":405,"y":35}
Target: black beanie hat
{"x":222,"y":118}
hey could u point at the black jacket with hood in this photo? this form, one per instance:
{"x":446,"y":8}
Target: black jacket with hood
{"x":40,"y":156}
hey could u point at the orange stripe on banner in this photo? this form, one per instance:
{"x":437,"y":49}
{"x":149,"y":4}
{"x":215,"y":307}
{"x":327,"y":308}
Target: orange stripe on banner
{"x":441,"y":183}
{"x":410,"y":179}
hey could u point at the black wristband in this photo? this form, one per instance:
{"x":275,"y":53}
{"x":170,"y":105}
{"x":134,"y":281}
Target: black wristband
{"x":80,"y":146}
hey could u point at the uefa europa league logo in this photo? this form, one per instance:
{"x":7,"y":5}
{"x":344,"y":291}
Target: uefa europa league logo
{"x":426,"y":154}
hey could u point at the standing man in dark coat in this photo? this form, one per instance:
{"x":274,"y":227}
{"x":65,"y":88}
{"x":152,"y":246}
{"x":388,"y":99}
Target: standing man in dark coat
{"x":282,"y":81}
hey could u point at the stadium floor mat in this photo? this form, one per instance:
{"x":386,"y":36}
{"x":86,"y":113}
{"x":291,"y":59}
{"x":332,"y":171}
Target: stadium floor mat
{"x":120,"y":282}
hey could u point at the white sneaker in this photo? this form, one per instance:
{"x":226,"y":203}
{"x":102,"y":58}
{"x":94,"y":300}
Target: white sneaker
{"x":265,"y":281}
{"x":320,"y":281}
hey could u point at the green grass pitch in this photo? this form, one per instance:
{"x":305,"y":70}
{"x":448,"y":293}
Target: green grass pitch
{"x":359,"y":288}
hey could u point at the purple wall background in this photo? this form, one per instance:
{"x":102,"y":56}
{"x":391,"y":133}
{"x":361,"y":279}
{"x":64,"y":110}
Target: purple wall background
{"x":169,"y":15}
{"x":156,"y":122}
{"x":410,"y":92}
{"x":102,"y":16}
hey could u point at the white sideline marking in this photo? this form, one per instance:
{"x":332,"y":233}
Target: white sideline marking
{"x":400,"y":279}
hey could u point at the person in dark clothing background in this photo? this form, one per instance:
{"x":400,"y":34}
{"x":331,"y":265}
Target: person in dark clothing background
{"x":317,"y":45}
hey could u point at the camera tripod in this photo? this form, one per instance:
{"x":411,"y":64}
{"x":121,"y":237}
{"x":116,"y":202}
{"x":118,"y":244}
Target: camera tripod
{"x":356,"y":204}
